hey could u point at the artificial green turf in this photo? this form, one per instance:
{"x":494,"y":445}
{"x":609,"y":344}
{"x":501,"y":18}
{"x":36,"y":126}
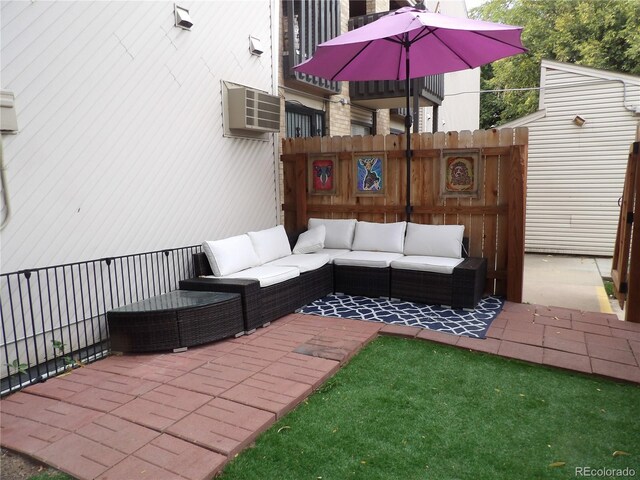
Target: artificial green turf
{"x":408,"y":409}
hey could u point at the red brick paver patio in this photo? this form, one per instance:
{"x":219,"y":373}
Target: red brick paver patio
{"x":184,"y":415}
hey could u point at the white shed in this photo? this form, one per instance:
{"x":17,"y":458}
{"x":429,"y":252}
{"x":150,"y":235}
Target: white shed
{"x":578,"y":148}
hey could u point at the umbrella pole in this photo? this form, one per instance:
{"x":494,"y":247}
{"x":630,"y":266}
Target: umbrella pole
{"x":407,"y":125}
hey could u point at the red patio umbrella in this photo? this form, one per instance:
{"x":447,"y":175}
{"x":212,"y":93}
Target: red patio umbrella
{"x":437,"y":44}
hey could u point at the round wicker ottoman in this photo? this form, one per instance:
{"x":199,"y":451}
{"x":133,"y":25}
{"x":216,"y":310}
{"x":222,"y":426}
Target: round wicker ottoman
{"x":174,"y":321}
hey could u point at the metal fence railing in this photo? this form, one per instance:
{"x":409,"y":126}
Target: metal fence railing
{"x":55,"y":317}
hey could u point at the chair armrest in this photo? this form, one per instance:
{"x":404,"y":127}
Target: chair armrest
{"x":471,"y":264}
{"x":468,"y":282}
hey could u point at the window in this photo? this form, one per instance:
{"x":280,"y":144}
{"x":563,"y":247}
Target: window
{"x":303,"y":121}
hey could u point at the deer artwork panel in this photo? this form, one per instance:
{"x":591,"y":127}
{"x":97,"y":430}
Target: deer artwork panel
{"x":322,"y":174}
{"x":369,"y":174}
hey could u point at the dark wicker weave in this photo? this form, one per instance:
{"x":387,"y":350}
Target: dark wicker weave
{"x":143,"y":332}
{"x":468,"y":282}
{"x":175,"y":320}
{"x":249,"y":291}
{"x":262,"y":305}
{"x":366,"y":281}
{"x":203,"y":325}
{"x":462,"y":289}
{"x":279,"y":300}
{"x":316,"y":284}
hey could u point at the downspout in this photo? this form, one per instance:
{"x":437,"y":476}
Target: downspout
{"x":5,"y":191}
{"x":634,"y":110}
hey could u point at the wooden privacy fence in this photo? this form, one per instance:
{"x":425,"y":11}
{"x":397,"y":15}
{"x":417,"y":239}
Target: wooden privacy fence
{"x":494,"y":221}
{"x":625,"y":270}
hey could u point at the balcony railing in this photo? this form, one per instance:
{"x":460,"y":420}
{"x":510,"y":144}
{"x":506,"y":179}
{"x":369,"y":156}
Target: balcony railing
{"x":307,"y":24}
{"x":54,"y":318}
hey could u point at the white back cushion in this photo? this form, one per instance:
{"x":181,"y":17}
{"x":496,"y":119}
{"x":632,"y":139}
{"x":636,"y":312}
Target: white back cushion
{"x":311,"y":241}
{"x":230,"y":255}
{"x":270,"y":244}
{"x":379,"y":237}
{"x":338,"y":233}
{"x":434,"y":240}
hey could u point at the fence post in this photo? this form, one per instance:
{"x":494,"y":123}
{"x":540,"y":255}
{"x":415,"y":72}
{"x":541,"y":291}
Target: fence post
{"x":515,"y":225}
{"x":632,"y":310}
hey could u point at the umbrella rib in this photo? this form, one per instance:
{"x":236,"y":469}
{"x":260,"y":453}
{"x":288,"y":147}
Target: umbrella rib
{"x":435,"y":34}
{"x":351,"y":60}
{"x":501,"y":41}
{"x":398,"y":40}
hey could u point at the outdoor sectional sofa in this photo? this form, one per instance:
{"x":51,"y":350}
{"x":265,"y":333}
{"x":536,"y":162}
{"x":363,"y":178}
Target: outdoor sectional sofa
{"x":408,"y":261}
{"x":260,"y":266}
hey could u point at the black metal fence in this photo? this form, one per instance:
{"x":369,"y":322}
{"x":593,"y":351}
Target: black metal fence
{"x":55,"y":317}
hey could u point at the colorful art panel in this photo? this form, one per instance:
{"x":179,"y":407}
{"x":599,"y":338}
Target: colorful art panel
{"x":322,"y":174}
{"x":369,"y":173}
{"x":460,"y":172}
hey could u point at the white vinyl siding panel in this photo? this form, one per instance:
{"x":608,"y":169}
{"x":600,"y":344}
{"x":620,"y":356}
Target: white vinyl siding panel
{"x":576,"y":174}
{"x":121,"y":148}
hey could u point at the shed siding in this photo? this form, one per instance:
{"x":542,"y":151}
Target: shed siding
{"x":120,"y":146}
{"x":576,"y":174}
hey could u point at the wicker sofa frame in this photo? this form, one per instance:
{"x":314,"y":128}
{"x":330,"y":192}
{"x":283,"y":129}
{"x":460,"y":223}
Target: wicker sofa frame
{"x":365,"y":281}
{"x":461,"y":289}
{"x":262,"y":305}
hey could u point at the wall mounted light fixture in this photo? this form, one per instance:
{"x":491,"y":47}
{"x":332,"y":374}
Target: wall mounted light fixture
{"x":183,"y":19}
{"x":255,"y":46}
{"x":579,"y":121}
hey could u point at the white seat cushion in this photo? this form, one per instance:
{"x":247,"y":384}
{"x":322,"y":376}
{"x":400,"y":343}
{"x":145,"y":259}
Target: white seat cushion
{"x":333,"y":252}
{"x":270,"y":244}
{"x":230,"y":255}
{"x":427,"y":264}
{"x":267,"y":274}
{"x":338,"y":233}
{"x":379,"y":237}
{"x":367,"y":259}
{"x":434,"y":240}
{"x":311,"y":241}
{"x":305,"y":262}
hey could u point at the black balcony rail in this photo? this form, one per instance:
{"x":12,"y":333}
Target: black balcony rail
{"x":430,"y":88}
{"x":54,"y":318}
{"x":306,"y":24}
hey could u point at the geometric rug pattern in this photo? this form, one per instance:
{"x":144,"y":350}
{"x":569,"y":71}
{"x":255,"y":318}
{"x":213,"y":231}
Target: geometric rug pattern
{"x":469,"y":323}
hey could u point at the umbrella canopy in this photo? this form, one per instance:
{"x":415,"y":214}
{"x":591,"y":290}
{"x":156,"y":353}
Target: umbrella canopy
{"x":411,"y":43}
{"x":436,"y":43}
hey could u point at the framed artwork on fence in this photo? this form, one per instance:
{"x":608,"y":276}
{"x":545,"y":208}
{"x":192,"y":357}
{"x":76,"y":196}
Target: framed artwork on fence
{"x":460,"y":172}
{"x":322,"y":174}
{"x":369,"y":172}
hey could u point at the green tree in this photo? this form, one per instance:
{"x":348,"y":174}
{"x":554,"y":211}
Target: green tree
{"x":602,"y":34}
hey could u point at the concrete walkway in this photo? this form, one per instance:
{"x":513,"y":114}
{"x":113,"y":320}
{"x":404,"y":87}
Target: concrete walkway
{"x":185,"y":415}
{"x":568,"y":281}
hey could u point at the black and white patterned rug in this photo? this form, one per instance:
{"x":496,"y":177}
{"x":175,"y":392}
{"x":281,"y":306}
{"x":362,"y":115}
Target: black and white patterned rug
{"x":470,"y":323}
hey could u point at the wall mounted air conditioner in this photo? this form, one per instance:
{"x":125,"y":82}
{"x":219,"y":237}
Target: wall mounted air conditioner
{"x":253,"y":110}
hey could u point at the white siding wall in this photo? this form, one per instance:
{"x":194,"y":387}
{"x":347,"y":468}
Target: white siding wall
{"x":121,"y":148}
{"x":576,"y":174}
